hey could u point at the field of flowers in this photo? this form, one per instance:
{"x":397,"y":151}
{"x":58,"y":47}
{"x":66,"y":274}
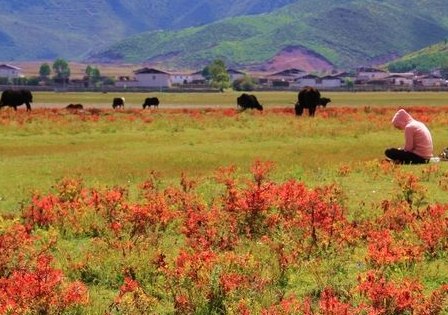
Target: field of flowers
{"x":211,"y":211}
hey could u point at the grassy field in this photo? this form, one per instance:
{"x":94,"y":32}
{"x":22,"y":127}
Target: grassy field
{"x":228,"y":99}
{"x":120,"y":147}
{"x":75,"y":181}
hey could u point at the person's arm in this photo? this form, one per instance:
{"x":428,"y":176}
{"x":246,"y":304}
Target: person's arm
{"x":408,"y":139}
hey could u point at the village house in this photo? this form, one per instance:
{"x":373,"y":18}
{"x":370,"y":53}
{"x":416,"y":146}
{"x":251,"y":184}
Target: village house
{"x":292,"y":72}
{"x":235,"y":74}
{"x":365,"y":74}
{"x":147,"y":77}
{"x":430,"y":80}
{"x":400,"y":79}
{"x":150,"y":77}
{"x":10,"y":71}
{"x":284,"y":78}
{"x":308,"y":80}
{"x":197,"y":77}
{"x":331,"y":81}
{"x":181,"y":78}
{"x":277,"y":81}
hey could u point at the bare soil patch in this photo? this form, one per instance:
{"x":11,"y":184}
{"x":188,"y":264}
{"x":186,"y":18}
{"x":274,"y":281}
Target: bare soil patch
{"x":296,"y":57}
{"x":77,"y":69}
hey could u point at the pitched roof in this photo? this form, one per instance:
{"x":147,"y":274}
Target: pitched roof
{"x":430,"y":76}
{"x":369,"y":69}
{"x":308,"y":76}
{"x":399,"y":76}
{"x":289,"y":72}
{"x":233,"y":71}
{"x":6,"y":66}
{"x":331,"y":77}
{"x":149,"y":70}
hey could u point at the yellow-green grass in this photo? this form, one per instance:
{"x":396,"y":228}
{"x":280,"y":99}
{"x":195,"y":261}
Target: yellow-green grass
{"x":122,"y":148}
{"x":343,"y":146}
{"x":228,"y":99}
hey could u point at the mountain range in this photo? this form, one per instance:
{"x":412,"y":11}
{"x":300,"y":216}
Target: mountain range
{"x":315,"y":34}
{"x":426,"y":59}
{"x":47,"y":29}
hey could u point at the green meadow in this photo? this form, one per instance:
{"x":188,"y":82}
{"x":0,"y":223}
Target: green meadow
{"x":140,"y":206}
{"x":116,"y":148}
{"x":228,"y":99}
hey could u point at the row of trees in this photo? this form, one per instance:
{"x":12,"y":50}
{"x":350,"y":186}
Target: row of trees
{"x":216,"y":74}
{"x":61,"y":72}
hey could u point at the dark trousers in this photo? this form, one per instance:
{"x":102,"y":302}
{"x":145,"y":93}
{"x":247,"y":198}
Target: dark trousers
{"x":404,"y":157}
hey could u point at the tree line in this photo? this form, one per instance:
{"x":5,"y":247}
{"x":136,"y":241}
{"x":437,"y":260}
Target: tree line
{"x":59,"y":72}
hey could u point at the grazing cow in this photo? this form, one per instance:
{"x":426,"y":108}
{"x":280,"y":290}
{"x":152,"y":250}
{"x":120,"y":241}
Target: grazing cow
{"x":246,"y":101}
{"x":14,"y":98}
{"x":151,"y":101}
{"x":324,"y":101}
{"x":74,"y":107}
{"x":309,"y":97}
{"x":118,"y":102}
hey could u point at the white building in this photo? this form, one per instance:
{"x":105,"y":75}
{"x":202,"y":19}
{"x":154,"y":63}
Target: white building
{"x":181,"y":78}
{"x":401,"y":79}
{"x":331,"y":81}
{"x":147,"y":77}
{"x":9,"y":71}
{"x":150,"y":77}
{"x":431,"y":80}
{"x":308,"y":80}
{"x":197,"y":77}
{"x":367,"y":74}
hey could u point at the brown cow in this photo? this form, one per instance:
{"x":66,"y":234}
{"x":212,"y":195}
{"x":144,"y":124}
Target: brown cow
{"x":74,"y":107}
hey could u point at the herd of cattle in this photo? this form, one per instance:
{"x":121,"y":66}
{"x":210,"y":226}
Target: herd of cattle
{"x":308,"y":97}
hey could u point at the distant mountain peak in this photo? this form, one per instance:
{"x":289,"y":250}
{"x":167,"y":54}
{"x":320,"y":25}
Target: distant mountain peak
{"x":312,"y":34}
{"x":309,"y":34}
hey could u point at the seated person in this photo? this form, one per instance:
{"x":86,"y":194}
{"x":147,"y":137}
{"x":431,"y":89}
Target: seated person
{"x":418,"y":145}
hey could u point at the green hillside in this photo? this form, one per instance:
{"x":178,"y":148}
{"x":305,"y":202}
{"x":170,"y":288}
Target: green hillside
{"x":346,"y":33}
{"x":46,"y":29}
{"x":432,"y":57}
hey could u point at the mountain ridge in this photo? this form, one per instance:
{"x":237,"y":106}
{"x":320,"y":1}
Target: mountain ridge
{"x":71,"y":29}
{"x":426,"y":59}
{"x":257,"y":34}
{"x":345,"y":34}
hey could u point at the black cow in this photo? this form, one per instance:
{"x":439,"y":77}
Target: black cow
{"x":118,"y":102}
{"x":324,"y":101}
{"x":151,"y":101}
{"x":14,"y":98}
{"x":245,"y":101}
{"x":74,"y":107}
{"x":309,"y":97}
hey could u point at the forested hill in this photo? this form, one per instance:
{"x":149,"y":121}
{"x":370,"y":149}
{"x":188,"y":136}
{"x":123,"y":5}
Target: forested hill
{"x":343,"y":33}
{"x":185,"y":33}
{"x":46,"y":29}
{"x":428,"y":58}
